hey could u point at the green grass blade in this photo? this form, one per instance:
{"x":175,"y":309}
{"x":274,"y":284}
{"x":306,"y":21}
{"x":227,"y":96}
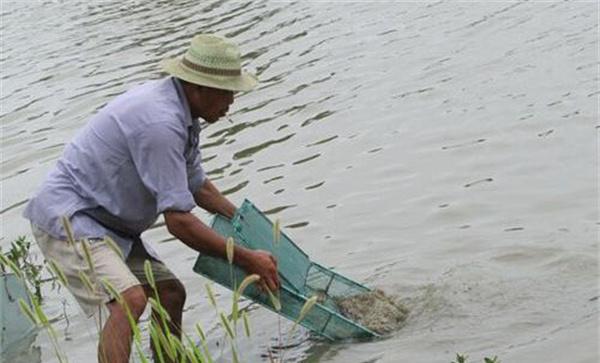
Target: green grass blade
{"x":26,"y":310}
{"x":246,"y":323}
{"x":226,"y":326}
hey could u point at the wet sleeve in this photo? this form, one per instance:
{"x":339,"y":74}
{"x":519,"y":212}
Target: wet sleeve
{"x":158,"y":155}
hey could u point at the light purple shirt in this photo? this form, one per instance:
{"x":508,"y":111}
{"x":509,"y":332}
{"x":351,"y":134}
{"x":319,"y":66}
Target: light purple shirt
{"x":136,"y":158}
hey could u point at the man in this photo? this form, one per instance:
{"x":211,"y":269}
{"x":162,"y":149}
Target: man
{"x":138,"y":158}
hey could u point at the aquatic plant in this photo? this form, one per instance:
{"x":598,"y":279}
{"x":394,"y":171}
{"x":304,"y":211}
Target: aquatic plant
{"x":18,"y":260}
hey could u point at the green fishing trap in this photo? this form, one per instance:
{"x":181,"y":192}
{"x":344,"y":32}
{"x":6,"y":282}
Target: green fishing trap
{"x":300,"y":278}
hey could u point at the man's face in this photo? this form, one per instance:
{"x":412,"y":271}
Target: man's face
{"x":209,"y":103}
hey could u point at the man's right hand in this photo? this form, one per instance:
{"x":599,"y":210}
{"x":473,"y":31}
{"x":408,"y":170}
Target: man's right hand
{"x":264,"y":265}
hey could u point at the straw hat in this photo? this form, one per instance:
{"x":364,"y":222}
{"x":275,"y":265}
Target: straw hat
{"x":211,"y":61}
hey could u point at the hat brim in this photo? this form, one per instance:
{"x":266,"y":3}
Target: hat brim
{"x":244,"y":82}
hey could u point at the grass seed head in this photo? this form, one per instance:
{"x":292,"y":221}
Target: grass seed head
{"x":68,"y":230}
{"x":149,"y":274}
{"x":274,"y":300}
{"x":87,"y":254}
{"x":210,"y":294}
{"x":276,"y":231}
{"x":308,"y":305}
{"x":113,"y":246}
{"x":229,"y":249}
{"x":246,"y":323}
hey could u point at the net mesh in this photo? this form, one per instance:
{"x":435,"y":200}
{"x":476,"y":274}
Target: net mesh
{"x":300,"y":277}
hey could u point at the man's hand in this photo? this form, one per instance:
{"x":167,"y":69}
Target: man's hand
{"x":261,"y":263}
{"x":264,"y":265}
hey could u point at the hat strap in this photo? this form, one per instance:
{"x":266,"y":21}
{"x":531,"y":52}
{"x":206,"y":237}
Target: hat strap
{"x":209,"y":70}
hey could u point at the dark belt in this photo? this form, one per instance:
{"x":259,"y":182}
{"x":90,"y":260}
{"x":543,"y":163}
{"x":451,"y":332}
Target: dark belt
{"x":112,"y":223}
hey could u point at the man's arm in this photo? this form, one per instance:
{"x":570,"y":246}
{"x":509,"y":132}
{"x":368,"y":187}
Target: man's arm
{"x":191,"y":231}
{"x":210,"y":198}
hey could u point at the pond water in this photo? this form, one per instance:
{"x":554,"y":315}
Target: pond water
{"x":444,"y":152}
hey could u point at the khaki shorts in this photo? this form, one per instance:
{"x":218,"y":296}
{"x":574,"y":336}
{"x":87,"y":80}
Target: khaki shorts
{"x":108,"y":266}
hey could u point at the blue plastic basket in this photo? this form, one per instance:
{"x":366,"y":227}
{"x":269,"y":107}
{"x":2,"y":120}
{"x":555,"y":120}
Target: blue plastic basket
{"x":300,"y":277}
{"x":17,"y":332}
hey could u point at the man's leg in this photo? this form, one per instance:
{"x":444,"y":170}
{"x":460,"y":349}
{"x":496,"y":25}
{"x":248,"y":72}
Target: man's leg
{"x":116,"y":336}
{"x":171,"y":295}
{"x":115,"y":344}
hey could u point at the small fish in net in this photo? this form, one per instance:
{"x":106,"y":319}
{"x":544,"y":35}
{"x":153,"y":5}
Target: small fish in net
{"x":374,"y":310}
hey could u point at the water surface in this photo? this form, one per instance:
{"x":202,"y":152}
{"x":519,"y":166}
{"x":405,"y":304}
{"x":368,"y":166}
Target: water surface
{"x":444,"y":152}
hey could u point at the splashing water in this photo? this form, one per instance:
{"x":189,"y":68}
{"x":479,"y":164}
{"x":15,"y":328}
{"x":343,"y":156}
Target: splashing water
{"x":374,"y":310}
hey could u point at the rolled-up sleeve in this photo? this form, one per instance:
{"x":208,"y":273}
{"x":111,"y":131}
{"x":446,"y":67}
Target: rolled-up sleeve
{"x":158,"y":154}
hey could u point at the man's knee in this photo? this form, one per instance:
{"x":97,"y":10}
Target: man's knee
{"x":172,"y":293}
{"x":135,"y":298}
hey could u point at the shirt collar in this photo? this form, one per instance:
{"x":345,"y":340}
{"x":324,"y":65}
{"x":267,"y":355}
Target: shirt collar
{"x":186,"y":107}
